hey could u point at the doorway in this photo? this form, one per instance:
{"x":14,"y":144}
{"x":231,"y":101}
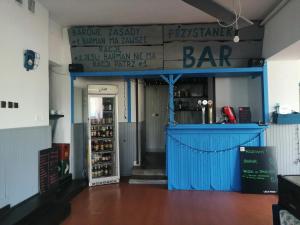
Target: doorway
{"x":156,"y":117}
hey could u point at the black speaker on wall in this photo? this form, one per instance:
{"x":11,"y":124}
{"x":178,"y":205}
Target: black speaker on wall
{"x":75,"y":68}
{"x":256,"y":62}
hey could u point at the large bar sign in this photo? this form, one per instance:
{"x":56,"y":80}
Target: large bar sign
{"x":210,"y":54}
{"x":115,"y":48}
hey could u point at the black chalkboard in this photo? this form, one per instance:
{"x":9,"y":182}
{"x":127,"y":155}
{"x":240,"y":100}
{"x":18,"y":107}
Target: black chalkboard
{"x":258,"y":170}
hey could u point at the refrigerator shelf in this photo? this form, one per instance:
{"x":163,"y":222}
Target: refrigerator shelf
{"x":102,"y":125}
{"x":103,"y":151}
{"x":102,"y":163}
{"x":103,"y":176}
{"x":102,"y":138}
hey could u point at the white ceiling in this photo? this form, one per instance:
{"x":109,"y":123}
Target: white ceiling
{"x":113,"y":12}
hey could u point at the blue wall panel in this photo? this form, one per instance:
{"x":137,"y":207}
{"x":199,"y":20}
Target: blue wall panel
{"x":207,"y":159}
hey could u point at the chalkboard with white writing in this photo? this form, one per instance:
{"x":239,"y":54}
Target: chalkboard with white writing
{"x":258,"y":170}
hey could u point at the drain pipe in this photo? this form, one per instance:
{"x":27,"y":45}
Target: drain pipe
{"x":274,"y":12}
{"x":137,"y":120}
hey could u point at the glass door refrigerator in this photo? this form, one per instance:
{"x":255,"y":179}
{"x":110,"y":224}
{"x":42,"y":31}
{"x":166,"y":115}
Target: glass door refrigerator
{"x":103,"y":153}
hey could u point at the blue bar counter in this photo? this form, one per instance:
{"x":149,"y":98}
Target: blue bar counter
{"x":206,"y":156}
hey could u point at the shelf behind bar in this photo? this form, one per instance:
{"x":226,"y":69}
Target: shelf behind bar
{"x":55,"y":116}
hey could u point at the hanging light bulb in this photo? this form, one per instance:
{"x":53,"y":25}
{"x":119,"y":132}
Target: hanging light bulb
{"x":236,"y":38}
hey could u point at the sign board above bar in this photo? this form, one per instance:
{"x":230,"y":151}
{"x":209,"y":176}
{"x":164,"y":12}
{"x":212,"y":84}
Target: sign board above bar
{"x":209,"y":32}
{"x":115,"y":58}
{"x":210,"y":54}
{"x":117,"y":48}
{"x":118,"y":35}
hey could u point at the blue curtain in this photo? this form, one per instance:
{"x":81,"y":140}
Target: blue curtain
{"x":206,"y":161}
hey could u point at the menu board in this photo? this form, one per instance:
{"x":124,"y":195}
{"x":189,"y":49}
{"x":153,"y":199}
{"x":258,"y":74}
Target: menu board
{"x":258,"y":170}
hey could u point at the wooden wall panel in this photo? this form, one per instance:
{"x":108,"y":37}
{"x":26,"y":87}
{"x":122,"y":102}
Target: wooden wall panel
{"x":115,"y":35}
{"x":210,"y":54}
{"x":115,"y":58}
{"x":120,"y":48}
{"x":209,"y":32}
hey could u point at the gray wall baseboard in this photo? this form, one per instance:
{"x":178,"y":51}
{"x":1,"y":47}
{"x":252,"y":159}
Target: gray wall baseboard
{"x":19,"y":149}
{"x":79,"y":150}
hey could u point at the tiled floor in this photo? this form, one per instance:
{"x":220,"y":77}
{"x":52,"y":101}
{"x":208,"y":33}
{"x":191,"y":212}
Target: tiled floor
{"x":124,"y":204}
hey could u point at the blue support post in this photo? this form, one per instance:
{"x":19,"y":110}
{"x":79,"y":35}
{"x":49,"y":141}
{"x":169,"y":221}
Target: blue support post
{"x":265,"y":97}
{"x":171,"y":80}
{"x":171,"y":100}
{"x":72,"y":99}
{"x":129,"y":100}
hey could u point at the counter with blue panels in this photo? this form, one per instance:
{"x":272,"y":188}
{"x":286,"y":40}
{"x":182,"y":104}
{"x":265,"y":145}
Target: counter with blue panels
{"x":206,"y":156}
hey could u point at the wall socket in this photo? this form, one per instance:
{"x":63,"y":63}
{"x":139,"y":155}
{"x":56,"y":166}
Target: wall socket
{"x":3,"y":104}
{"x":10,"y":105}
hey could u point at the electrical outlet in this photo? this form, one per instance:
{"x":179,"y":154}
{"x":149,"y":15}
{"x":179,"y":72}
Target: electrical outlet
{"x":3,"y":104}
{"x":10,"y":105}
{"x":16,"y":105}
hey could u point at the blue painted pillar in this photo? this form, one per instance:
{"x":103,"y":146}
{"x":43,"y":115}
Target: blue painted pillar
{"x":265,"y":96}
{"x":171,"y":80}
{"x":171,"y":100}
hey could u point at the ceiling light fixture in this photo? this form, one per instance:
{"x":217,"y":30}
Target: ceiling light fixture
{"x":236,"y":38}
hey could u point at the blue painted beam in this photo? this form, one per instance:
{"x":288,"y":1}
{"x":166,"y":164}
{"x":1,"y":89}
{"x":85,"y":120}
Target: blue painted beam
{"x":128,"y":100}
{"x":166,"y":79}
{"x":177,"y":78}
{"x":219,"y":72}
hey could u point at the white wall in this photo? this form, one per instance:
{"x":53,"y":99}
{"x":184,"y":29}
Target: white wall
{"x":56,"y":43}
{"x":60,"y":88}
{"x":60,"y":100}
{"x":255,"y":98}
{"x":141,"y":100}
{"x":231,"y":91}
{"x":284,"y":78}
{"x":239,"y":92}
{"x":282,"y":30}
{"x":20,"y":30}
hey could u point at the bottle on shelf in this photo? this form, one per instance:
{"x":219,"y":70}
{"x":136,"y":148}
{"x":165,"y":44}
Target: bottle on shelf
{"x":111,"y":134}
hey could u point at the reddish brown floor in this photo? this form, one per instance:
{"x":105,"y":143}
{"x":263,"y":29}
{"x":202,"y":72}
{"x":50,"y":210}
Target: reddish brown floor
{"x":124,"y":204}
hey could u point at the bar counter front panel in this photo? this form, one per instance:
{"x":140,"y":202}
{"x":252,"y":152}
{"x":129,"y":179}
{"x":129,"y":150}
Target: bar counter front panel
{"x":206,"y":156}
